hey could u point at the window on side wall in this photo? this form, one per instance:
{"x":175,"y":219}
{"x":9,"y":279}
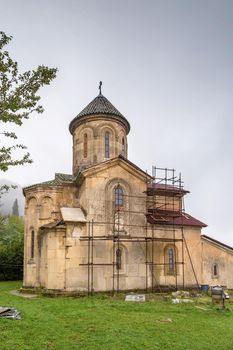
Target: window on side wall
{"x":32,"y":244}
{"x":118,"y":259}
{"x":170,"y":261}
{"x":215,"y":270}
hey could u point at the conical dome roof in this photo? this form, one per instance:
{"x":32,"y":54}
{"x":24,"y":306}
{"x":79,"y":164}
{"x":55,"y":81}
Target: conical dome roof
{"x":99,"y":106}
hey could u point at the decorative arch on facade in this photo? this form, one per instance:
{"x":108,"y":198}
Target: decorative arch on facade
{"x":117,"y":205}
{"x":108,"y":125}
{"x":82,"y":129}
{"x":31,"y":202}
{"x":31,"y":207}
{"x":110,"y":191}
{"x":46,"y":207}
{"x":170,"y":260}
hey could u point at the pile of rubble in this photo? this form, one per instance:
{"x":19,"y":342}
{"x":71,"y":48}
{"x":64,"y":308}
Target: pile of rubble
{"x":181,"y":297}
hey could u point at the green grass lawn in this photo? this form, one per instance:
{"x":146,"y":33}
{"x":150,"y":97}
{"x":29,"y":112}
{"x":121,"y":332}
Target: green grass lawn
{"x":104,"y":322}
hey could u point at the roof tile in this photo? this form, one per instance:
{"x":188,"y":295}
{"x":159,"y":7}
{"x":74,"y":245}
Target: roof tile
{"x":100,"y":105}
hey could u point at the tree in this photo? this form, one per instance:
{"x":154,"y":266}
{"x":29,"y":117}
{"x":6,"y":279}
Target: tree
{"x":18,"y":100}
{"x":11,"y":247}
{"x":15,"y":208}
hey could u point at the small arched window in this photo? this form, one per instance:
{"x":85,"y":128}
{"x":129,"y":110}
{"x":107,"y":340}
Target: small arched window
{"x":119,"y":196}
{"x":171,"y":261}
{"x":32,"y":244}
{"x":118,"y":259}
{"x":215,"y":270}
{"x":107,"y":144}
{"x":85,"y":145}
{"x":170,"y":258}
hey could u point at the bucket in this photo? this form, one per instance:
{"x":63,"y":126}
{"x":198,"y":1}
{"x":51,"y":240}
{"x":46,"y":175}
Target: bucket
{"x":204,"y":288}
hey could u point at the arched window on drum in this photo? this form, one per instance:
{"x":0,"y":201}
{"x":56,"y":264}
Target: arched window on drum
{"x":85,"y":140}
{"x":123,"y":146}
{"x":107,"y":144}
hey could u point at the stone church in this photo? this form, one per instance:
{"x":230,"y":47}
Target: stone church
{"x":110,"y":225}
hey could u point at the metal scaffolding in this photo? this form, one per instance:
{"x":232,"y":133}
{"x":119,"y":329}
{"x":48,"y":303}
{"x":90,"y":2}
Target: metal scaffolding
{"x":162,"y":202}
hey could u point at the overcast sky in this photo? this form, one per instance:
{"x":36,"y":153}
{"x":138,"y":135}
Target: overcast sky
{"x":167,"y":65}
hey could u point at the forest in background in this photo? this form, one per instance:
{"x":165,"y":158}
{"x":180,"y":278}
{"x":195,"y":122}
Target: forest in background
{"x":11,"y":247}
{"x":7,"y":199}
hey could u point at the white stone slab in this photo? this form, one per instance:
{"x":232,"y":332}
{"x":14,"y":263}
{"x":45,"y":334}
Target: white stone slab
{"x":135,"y":297}
{"x":73,"y":215}
{"x":76,"y":232}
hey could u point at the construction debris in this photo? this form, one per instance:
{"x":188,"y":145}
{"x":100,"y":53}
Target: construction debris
{"x":165,"y":320}
{"x":135,"y":297}
{"x":181,"y":294}
{"x":179,"y":301}
{"x":9,"y":312}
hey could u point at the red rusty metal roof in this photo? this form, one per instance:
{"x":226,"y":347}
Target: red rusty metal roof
{"x":165,"y":189}
{"x":163,"y":217}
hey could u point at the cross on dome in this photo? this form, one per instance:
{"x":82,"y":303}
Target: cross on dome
{"x":100,"y":84}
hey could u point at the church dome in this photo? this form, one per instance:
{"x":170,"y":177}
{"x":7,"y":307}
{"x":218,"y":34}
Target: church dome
{"x":99,"y":133}
{"x":99,"y":106}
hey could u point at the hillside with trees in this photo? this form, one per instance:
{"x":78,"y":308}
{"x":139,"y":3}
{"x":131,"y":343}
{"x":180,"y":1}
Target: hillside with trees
{"x":7,"y":199}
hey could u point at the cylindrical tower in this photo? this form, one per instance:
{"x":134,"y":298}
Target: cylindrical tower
{"x":99,"y":133}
